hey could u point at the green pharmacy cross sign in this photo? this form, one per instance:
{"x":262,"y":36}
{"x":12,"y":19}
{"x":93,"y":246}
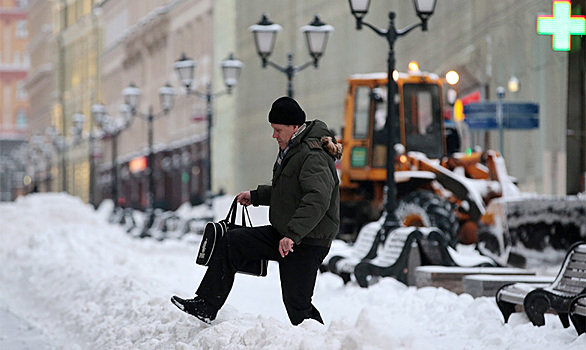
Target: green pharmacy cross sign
{"x":562,"y":25}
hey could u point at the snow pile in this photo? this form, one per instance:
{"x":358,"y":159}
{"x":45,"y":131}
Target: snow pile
{"x":85,"y":284}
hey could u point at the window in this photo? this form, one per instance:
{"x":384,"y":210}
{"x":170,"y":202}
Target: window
{"x":22,"y":3}
{"x":418,"y":111}
{"x":21,"y":93}
{"x":379,"y":132}
{"x":21,"y":30}
{"x":422,"y":113}
{"x":361,"y":112}
{"x":21,"y":122}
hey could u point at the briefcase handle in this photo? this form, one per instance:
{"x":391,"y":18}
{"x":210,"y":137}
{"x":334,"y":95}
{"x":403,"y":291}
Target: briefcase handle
{"x":231,"y":217}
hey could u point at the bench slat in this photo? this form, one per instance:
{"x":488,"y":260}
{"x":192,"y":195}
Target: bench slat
{"x":579,"y":257}
{"x":578,"y":274}
{"x":515,"y":293}
{"x":580,"y":307}
{"x":572,"y":282}
{"x":577,"y":265}
{"x":580,"y":310}
{"x":567,"y":289}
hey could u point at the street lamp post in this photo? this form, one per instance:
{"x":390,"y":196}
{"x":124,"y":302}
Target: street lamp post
{"x":58,"y":143}
{"x":46,"y":149}
{"x":61,"y":145}
{"x":131,"y":98}
{"x":36,"y":146}
{"x":359,"y":9}
{"x":77,"y":132}
{"x":91,"y":157}
{"x":185,"y":69}
{"x":500,"y":93}
{"x":43,"y":150}
{"x":265,"y":35}
{"x":112,"y":127}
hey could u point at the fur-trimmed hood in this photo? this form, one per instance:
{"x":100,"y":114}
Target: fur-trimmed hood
{"x":318,"y":130}
{"x":331,"y":146}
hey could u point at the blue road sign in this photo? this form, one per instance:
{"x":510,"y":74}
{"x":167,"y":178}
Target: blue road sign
{"x":516,"y":115}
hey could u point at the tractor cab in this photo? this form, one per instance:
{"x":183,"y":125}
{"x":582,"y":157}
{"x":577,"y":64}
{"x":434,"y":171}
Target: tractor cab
{"x":419,"y":125}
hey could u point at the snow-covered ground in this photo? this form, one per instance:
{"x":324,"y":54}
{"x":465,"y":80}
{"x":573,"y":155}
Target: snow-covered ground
{"x":81,"y":283}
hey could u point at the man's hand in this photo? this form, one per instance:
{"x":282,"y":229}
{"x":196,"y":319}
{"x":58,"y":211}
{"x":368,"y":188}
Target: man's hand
{"x":244,"y":198}
{"x":286,"y":246}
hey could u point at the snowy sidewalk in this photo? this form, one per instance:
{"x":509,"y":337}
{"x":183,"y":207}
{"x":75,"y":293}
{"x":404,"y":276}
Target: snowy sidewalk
{"x":69,"y":280}
{"x":17,"y":334}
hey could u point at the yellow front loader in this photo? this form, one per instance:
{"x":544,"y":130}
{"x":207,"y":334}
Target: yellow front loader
{"x":470,"y":197}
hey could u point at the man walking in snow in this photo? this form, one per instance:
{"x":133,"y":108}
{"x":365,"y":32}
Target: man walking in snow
{"x":304,"y":202}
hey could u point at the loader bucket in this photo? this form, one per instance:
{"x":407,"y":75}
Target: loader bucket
{"x":533,"y":222}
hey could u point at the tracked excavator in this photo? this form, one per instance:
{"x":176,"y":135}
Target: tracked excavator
{"x":469,"y":196}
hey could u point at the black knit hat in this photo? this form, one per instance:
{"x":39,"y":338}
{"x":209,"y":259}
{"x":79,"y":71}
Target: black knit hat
{"x":286,"y":111}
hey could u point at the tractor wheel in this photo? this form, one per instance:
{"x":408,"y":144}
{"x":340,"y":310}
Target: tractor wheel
{"x":427,"y":209}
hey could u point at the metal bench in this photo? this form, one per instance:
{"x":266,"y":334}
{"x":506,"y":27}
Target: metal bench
{"x":365,"y":247}
{"x":392,"y":260}
{"x":570,"y":282}
{"x":435,"y":250}
{"x":578,"y":313}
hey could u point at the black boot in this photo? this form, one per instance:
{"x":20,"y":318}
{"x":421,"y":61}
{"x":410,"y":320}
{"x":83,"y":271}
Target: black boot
{"x":197,"y":307}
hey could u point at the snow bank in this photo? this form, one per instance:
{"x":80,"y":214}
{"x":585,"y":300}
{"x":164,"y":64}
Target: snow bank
{"x":85,"y":284}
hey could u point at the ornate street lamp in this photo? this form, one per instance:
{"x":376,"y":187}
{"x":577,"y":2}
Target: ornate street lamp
{"x":359,"y":9}
{"x":166,"y":98}
{"x":60,"y":143}
{"x":131,"y":96}
{"x":112,"y":128}
{"x":231,"y":69}
{"x":185,"y":69}
{"x":316,"y":36}
{"x":78,"y":120}
{"x":98,"y":112}
{"x":265,"y":35}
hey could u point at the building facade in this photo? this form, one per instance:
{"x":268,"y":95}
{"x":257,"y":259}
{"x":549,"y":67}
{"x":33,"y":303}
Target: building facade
{"x":76,"y":87}
{"x":141,"y":44}
{"x":14,"y":107}
{"x":40,"y":84}
{"x":100,"y":47}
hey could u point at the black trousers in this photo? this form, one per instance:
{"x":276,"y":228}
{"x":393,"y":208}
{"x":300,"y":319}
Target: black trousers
{"x":298,"y":270}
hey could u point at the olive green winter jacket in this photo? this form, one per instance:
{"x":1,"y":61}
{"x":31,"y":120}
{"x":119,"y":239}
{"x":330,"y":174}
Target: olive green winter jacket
{"x":304,"y":195}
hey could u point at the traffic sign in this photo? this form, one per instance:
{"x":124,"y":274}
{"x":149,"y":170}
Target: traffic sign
{"x":516,"y":115}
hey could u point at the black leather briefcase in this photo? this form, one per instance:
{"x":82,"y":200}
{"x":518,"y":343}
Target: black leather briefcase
{"x":214,"y":231}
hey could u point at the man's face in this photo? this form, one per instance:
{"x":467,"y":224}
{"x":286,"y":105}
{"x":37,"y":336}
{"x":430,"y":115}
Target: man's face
{"x":283,"y":133}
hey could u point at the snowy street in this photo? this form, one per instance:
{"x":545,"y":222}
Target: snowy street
{"x":70,"y":280}
{"x":17,"y":333}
